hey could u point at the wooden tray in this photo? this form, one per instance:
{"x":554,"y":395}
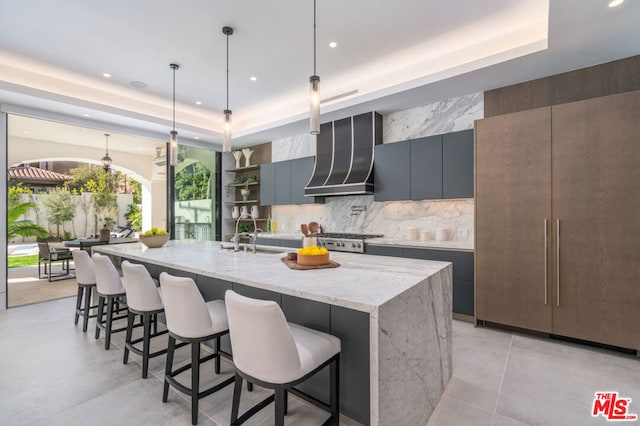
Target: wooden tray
{"x":292,"y":264}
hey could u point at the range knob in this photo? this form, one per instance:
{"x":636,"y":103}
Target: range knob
{"x":359,"y":245}
{"x":353,"y":245}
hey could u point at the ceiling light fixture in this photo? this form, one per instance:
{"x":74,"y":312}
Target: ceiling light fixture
{"x":86,"y":115}
{"x":253,"y":78}
{"x":106,"y":160}
{"x":614,"y":3}
{"x":173,"y":143}
{"x":226,"y":136}
{"x":198,"y":103}
{"x":314,"y":80}
{"x":333,"y":44}
{"x":106,"y":75}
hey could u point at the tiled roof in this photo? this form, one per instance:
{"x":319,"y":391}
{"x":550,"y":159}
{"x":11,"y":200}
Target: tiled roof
{"x":34,"y":175}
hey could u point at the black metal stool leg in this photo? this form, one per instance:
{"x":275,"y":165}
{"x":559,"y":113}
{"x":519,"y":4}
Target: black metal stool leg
{"x":217,"y":359}
{"x":99,"y":315}
{"x":195,"y":381}
{"x":146,"y":342}
{"x":107,"y":330}
{"x":87,"y":308}
{"x":235,"y":406}
{"x":78,"y":304}
{"x":167,"y":369}
{"x":279,"y":391}
{"x":127,"y":339}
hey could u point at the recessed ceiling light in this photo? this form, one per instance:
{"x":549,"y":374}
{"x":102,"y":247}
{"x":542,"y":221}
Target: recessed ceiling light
{"x":86,"y":115}
{"x":138,"y":84}
{"x":197,"y":137}
{"x":333,"y":44}
{"x":106,"y":75}
{"x":614,"y":3}
{"x":253,"y":78}
{"x":198,"y":103}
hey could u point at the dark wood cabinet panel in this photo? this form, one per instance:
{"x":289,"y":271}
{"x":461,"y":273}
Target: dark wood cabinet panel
{"x":426,"y":168}
{"x":513,"y":199}
{"x":267,"y":184}
{"x":596,"y":204}
{"x":457,"y":164}
{"x":392,"y":173}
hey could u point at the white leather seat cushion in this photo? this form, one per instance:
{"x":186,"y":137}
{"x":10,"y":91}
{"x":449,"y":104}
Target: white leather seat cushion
{"x":218,"y":313}
{"x":314,"y":347}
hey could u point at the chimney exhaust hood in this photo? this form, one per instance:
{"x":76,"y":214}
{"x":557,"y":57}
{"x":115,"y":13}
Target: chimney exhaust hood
{"x":344,"y":156}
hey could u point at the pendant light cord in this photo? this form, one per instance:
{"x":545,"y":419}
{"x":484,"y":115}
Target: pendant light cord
{"x":314,"y":37}
{"x":228,"y":71}
{"x":174,"y":99}
{"x":107,"y":144}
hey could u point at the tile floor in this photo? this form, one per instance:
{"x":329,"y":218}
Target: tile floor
{"x":53,"y":374}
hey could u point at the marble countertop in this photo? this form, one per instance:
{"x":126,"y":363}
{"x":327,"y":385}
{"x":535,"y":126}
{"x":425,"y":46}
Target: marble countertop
{"x":362,"y":283}
{"x":430,"y":244}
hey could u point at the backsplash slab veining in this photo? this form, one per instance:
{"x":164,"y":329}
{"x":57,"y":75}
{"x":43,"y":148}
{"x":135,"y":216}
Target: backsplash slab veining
{"x":391,"y":218}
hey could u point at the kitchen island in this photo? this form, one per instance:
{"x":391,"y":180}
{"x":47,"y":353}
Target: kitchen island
{"x":392,"y":315}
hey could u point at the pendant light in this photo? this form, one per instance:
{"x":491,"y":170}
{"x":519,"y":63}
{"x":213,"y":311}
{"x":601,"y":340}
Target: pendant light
{"x":314,"y":80}
{"x":173,"y":143}
{"x":106,"y":160}
{"x":226,"y":136}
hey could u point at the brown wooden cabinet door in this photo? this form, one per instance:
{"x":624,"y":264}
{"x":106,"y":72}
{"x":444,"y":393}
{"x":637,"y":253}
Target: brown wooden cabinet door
{"x":513,"y":199}
{"x":596,"y":198}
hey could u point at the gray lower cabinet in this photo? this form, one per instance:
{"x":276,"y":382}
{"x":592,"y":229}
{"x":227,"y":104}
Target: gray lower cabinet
{"x":392,"y":175}
{"x":291,"y":243}
{"x":279,"y":242}
{"x":268,"y":241}
{"x":267,"y":184}
{"x":463,"y":270}
{"x":457,"y":164}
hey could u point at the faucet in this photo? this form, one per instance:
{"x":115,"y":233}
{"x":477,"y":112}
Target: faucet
{"x":236,"y":236}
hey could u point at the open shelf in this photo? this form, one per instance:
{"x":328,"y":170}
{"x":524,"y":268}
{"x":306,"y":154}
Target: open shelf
{"x":242,"y":202}
{"x":243,"y":169}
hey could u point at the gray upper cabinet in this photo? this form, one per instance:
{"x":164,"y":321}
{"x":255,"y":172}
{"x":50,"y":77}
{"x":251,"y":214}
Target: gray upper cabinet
{"x":457,"y":164}
{"x":392,"y":176}
{"x":301,"y":170}
{"x":267,"y":184}
{"x":283,"y":182}
{"x":426,"y":168}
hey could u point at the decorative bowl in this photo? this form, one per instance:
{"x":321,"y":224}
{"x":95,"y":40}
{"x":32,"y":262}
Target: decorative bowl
{"x":155,"y":240}
{"x":313,"y":260}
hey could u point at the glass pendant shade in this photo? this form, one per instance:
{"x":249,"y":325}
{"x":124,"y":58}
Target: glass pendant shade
{"x":314,"y":104}
{"x":226,"y":138}
{"x":173,"y":148}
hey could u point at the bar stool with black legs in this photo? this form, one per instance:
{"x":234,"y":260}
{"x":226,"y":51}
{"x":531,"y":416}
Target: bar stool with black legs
{"x":278,"y":355}
{"x":143,"y":298}
{"x":86,"y":279}
{"x":190,"y":319}
{"x":110,"y":293}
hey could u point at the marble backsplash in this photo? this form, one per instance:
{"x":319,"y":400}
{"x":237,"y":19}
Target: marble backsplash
{"x":390,"y":218}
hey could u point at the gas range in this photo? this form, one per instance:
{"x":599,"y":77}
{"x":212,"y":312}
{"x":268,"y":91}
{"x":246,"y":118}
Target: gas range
{"x":338,"y":241}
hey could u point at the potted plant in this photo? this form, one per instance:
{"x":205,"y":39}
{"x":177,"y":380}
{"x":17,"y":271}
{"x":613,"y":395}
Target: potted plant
{"x":229,"y":187}
{"x":108,"y":221}
{"x":245,"y":191}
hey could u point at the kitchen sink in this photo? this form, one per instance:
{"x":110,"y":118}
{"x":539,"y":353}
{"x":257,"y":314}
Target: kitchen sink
{"x":259,"y":249}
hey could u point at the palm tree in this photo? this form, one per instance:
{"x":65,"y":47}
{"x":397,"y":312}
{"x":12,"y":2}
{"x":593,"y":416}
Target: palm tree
{"x":23,"y":228}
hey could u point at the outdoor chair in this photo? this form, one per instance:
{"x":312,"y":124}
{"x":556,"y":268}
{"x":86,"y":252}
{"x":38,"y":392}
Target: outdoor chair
{"x":47,"y":256}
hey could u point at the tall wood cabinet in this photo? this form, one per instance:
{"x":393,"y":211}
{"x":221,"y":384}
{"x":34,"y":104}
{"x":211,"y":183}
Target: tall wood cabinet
{"x":577,"y":165}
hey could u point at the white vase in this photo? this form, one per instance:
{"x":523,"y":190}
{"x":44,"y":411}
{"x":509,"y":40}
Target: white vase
{"x":254,"y":212}
{"x":244,"y":212}
{"x":247,"y":156}
{"x":238,"y":156}
{"x":235,"y":213}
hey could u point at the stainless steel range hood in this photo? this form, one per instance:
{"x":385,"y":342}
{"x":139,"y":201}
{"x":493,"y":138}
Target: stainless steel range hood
{"x":344,"y":156}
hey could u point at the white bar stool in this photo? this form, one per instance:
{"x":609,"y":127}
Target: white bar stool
{"x":278,"y":355}
{"x":110,"y":292}
{"x":86,"y":279}
{"x":190,"y":319}
{"x":143,"y":298}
